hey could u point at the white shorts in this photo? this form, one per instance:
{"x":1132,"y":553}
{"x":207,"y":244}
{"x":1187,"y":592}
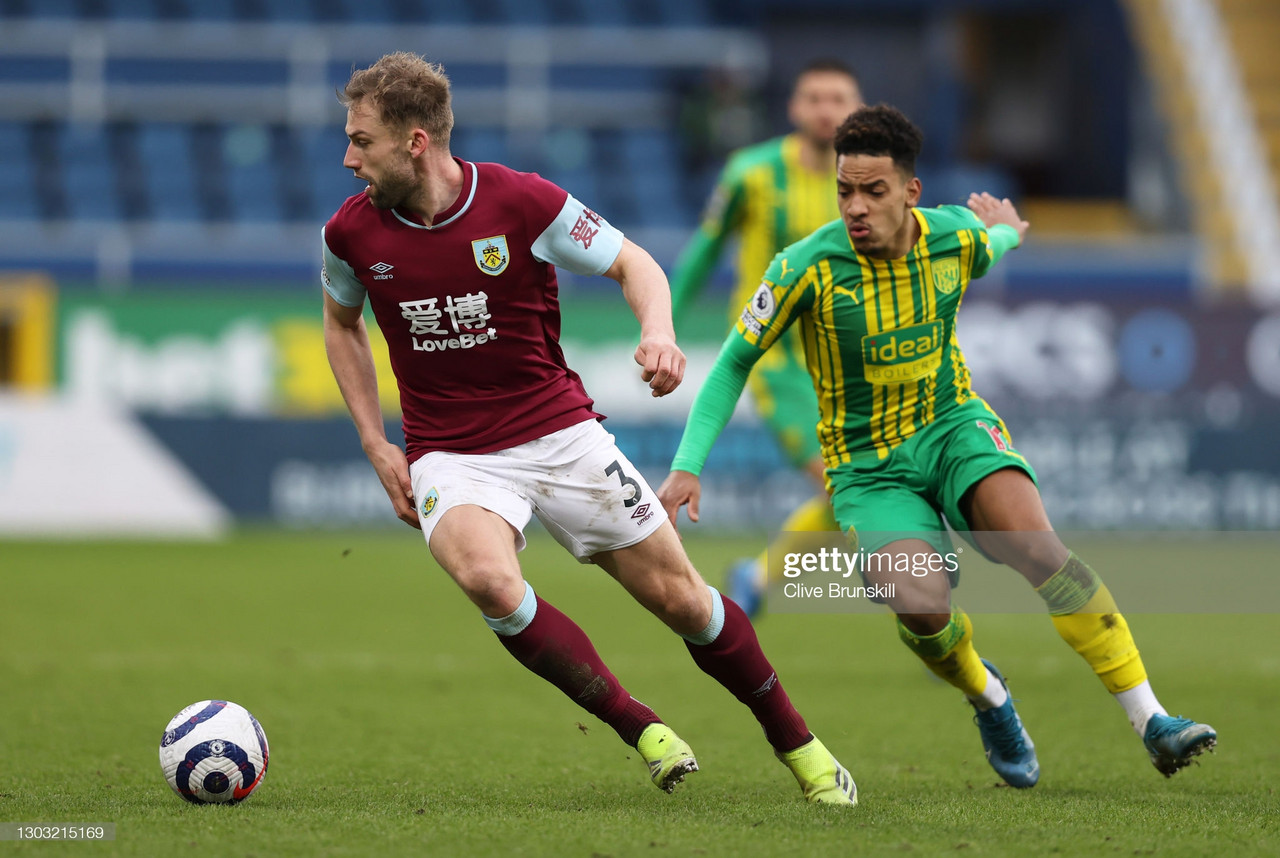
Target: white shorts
{"x":576,"y":481}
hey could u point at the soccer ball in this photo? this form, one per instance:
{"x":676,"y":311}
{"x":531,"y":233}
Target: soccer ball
{"x":213,"y":752}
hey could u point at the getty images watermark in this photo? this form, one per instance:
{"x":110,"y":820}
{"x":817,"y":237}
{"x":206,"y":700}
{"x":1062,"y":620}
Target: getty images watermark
{"x":1176,"y":572}
{"x":834,"y":573}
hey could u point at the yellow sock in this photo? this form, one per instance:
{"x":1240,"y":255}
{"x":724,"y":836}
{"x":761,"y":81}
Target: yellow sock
{"x":950,"y":653}
{"x":812,"y":516}
{"x":1085,"y":615}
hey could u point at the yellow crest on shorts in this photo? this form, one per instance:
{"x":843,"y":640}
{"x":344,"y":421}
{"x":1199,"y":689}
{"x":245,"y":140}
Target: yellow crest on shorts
{"x":491,"y":254}
{"x":946,"y":274}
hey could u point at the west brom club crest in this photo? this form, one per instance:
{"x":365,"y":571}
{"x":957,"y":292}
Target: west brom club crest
{"x":946,"y":274}
{"x":491,"y":254}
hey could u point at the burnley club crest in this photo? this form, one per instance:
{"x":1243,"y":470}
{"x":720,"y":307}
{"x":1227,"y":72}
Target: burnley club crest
{"x":491,"y":254}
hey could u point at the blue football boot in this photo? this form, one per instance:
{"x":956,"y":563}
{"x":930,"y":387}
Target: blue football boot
{"x":1172,"y":742}
{"x":1009,"y":749}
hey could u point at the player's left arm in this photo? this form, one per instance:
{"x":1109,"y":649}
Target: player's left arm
{"x":647,"y":293}
{"x":1004,"y":226}
{"x":580,"y":240}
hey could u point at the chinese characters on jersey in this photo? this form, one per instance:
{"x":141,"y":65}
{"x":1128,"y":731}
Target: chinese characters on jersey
{"x":468,"y":322}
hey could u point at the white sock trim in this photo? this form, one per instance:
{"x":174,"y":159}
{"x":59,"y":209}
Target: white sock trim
{"x":518,"y":620}
{"x":1140,"y":704}
{"x":993,"y":696}
{"x":714,"y":625}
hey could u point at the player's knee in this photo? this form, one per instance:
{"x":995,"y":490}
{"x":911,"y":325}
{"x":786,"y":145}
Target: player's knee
{"x":1039,"y":556}
{"x":492,"y":589}
{"x":923,"y":612}
{"x":684,"y":607}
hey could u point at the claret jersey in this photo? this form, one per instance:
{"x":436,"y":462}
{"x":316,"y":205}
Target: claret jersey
{"x":469,"y":305}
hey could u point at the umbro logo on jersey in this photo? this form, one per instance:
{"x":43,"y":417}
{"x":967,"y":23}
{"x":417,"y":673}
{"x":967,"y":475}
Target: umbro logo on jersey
{"x":380,"y":270}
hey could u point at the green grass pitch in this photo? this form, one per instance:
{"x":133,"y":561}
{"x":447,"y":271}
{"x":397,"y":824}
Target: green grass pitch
{"x":399,"y":726}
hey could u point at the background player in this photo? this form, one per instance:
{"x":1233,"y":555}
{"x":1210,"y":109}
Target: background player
{"x":905,"y":438}
{"x":459,"y":257}
{"x":770,"y":195}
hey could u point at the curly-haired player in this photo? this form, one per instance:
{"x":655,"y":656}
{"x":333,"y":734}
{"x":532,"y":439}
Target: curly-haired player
{"x":769,"y":195}
{"x":906,"y":440}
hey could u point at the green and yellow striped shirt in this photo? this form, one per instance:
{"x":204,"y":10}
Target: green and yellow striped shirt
{"x":878,"y":335}
{"x":770,"y":200}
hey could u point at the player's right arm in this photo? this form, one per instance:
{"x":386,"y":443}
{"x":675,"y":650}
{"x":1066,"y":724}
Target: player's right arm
{"x":995,"y":212}
{"x":1005,"y":229}
{"x":699,"y":257}
{"x":346,"y":342}
{"x":784,"y":295}
{"x":712,"y":408}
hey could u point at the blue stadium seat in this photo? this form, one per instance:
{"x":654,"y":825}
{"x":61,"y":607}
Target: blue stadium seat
{"x":251,"y":11}
{"x":296,"y":11}
{"x":54,"y":9}
{"x":431,"y":12}
{"x":171,"y":10}
{"x":620,"y":78}
{"x":613,"y":192}
{"x":462,"y":74}
{"x":93,"y":10}
{"x":524,"y":12}
{"x":133,"y":10}
{"x":369,"y":11}
{"x":331,"y":183}
{"x":645,"y":13}
{"x":592,"y":13}
{"x":653,"y":165}
{"x":566,"y":159}
{"x":165,"y":149}
{"x":34,"y":69}
{"x":480,"y":144}
{"x":560,"y":11}
{"x":583,"y":184}
{"x":293,"y":173}
{"x":197,"y":71}
{"x":17,"y":190}
{"x":685,"y":13}
{"x":131,"y":190}
{"x":218,"y":10}
{"x":251,"y":177}
{"x":648,"y":149}
{"x":202,"y":10}
{"x":952,"y":185}
{"x":88,"y":173}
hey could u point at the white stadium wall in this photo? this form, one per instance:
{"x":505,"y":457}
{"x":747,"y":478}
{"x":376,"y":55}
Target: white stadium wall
{"x":76,"y":467}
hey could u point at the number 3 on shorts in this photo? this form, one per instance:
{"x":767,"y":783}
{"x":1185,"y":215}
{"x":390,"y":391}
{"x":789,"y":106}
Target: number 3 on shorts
{"x":615,"y":468}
